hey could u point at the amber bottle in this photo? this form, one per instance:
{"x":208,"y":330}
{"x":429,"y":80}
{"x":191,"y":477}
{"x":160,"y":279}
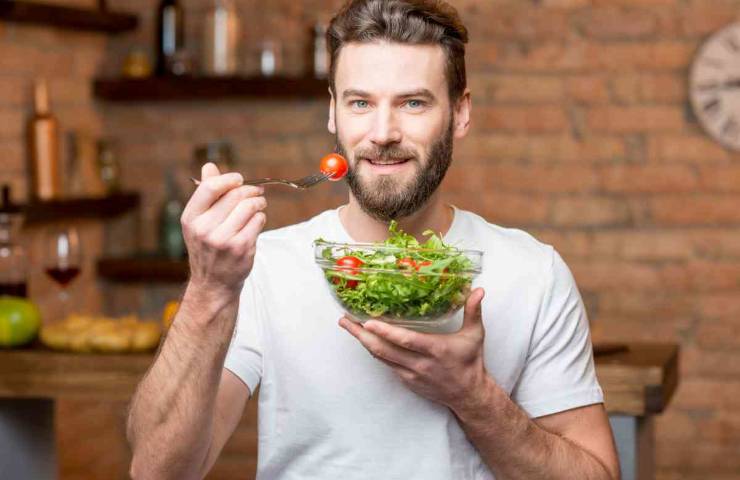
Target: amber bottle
{"x":43,"y":147}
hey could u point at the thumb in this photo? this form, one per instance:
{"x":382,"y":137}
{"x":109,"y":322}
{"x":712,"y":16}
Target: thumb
{"x":209,"y":170}
{"x":472,"y":316}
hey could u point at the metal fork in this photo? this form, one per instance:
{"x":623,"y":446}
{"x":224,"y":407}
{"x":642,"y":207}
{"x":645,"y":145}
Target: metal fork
{"x":305,"y":182}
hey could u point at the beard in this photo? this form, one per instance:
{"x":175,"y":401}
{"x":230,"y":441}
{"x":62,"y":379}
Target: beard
{"x":384,"y":197}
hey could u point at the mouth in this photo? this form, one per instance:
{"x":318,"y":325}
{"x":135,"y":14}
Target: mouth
{"x":380,"y":161}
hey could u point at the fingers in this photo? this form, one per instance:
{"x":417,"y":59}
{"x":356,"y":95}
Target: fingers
{"x":472,"y":316}
{"x":402,"y":337}
{"x":209,"y":170}
{"x":209,"y":191}
{"x":239,"y":216}
{"x":380,"y":348}
{"x":224,"y":207}
{"x":248,"y":234}
{"x":403,"y":372}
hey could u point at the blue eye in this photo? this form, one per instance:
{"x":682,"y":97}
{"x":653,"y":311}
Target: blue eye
{"x":359,"y":103}
{"x":416,"y":104}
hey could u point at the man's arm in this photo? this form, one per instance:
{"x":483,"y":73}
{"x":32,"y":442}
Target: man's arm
{"x":175,"y":412}
{"x":231,"y":399}
{"x":186,"y":405}
{"x":576,"y":443}
{"x":449,"y":370}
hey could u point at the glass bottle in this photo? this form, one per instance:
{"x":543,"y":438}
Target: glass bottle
{"x":171,"y":242}
{"x":42,"y":134}
{"x":170,"y":36}
{"x":108,"y":166}
{"x":320,"y":52}
{"x":13,"y":259}
{"x":221,"y":38}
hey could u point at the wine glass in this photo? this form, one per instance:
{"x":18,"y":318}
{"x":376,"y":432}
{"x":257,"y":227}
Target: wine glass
{"x":62,"y":259}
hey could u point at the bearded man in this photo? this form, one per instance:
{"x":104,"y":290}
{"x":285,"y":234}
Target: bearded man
{"x":512,"y":394}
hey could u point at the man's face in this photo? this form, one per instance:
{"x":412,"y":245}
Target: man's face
{"x":392,"y":118}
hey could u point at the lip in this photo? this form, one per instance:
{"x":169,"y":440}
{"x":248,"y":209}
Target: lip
{"x":386,"y":169}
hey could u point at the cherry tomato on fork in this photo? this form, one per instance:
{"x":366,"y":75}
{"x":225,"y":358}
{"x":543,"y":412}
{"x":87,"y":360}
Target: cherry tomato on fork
{"x":334,"y":164}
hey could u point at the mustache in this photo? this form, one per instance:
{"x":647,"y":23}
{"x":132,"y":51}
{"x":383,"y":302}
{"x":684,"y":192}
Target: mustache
{"x":391,"y":152}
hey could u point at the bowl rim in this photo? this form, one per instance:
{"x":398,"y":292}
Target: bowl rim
{"x":332,"y":266}
{"x":324,"y":263}
{"x":374,"y":246}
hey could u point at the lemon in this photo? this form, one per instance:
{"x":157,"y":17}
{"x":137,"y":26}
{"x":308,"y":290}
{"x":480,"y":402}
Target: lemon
{"x":19,"y":321}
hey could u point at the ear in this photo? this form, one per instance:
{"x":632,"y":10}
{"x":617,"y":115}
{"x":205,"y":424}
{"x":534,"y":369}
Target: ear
{"x":461,"y":111}
{"x":332,"y":124}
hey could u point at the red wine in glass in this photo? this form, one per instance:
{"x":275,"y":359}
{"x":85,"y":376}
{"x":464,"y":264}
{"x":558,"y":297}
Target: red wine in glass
{"x":63,"y":259}
{"x":63,"y":275}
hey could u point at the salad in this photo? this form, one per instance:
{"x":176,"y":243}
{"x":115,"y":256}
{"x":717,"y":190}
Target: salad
{"x":399,"y":278}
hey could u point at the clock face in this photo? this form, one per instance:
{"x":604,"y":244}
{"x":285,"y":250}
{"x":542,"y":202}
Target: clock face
{"x":714,"y":86}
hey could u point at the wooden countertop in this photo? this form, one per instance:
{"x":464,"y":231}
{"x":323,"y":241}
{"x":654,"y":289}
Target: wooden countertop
{"x":637,"y":381}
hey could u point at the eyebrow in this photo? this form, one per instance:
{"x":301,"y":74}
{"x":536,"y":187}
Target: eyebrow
{"x":421,"y":92}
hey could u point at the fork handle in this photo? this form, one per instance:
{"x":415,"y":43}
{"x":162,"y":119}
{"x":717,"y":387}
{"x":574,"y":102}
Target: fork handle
{"x":260,"y":181}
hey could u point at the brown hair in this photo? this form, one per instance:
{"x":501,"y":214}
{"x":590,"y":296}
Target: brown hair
{"x":403,"y":21}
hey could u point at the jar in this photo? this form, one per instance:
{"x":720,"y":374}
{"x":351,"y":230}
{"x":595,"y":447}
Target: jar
{"x":13,"y":258}
{"x":220,"y":152}
{"x":221,"y":38}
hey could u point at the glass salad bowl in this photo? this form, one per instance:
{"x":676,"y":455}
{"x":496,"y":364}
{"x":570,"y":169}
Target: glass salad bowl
{"x":401,"y":283}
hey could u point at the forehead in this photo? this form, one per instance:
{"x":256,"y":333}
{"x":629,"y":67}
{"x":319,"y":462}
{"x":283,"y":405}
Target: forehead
{"x":385,"y":68}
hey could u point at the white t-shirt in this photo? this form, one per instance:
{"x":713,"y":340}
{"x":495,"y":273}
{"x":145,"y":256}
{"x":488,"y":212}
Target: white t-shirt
{"x":328,"y":410}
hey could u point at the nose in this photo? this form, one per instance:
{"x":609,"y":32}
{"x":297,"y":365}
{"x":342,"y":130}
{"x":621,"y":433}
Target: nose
{"x":385,"y":129}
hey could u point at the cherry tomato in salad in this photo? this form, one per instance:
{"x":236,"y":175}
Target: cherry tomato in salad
{"x":407,"y":263}
{"x":443,"y":278}
{"x":423,"y":264}
{"x":335,"y":165}
{"x":349,"y":264}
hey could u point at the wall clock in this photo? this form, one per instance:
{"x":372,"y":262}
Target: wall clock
{"x":714,"y":86}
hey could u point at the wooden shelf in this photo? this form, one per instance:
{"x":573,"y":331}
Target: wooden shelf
{"x":143,"y":268}
{"x":67,"y":17}
{"x":75,"y":208}
{"x":208,"y":88}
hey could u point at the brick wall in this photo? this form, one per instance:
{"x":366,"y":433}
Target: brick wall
{"x":581,"y":135}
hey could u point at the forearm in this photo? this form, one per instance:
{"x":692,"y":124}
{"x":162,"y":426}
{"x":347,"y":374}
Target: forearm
{"x":514,"y":447}
{"x":171,"y":417}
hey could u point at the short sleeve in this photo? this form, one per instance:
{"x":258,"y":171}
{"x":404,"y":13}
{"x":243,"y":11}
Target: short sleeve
{"x":244,"y":357}
{"x":559,"y":373}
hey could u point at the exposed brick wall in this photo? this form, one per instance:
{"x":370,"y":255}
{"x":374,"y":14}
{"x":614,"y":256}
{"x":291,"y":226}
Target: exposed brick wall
{"x":581,"y":135}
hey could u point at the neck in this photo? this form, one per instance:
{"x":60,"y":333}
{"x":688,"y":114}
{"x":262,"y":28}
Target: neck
{"x":435,"y":215}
